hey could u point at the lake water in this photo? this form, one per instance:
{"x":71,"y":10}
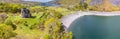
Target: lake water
{"x":96,"y":27}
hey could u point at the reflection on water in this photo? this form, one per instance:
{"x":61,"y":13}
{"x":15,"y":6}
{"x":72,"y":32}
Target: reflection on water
{"x":96,"y":27}
{"x":49,"y":4}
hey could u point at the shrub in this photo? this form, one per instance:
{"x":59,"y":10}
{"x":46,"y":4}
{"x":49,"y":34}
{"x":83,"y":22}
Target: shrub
{"x":24,"y":30}
{"x":9,"y":22}
{"x":6,"y":31}
{"x":45,"y":25}
{"x":57,"y":12}
{"x":36,"y":9}
{"x":79,"y":7}
{"x":54,"y":30}
{"x":10,"y":7}
{"x":83,"y":6}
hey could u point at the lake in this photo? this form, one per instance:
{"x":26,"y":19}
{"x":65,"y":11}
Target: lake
{"x":96,"y":27}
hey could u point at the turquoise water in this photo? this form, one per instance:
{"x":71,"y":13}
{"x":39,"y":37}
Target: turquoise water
{"x":96,"y":27}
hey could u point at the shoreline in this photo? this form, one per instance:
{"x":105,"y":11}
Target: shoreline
{"x":67,"y":20}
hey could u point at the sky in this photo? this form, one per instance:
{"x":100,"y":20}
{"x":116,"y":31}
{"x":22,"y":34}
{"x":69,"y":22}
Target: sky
{"x":39,"y":0}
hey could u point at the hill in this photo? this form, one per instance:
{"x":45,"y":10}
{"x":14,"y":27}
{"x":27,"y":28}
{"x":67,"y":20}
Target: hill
{"x":10,"y":0}
{"x":26,"y":3}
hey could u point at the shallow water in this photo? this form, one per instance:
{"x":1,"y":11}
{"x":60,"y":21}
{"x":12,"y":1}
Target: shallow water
{"x":96,"y":27}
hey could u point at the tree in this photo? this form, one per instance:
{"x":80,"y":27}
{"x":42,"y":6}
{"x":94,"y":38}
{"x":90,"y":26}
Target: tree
{"x":83,"y":5}
{"x":54,"y":30}
{"x":105,"y":6}
{"x":66,"y":3}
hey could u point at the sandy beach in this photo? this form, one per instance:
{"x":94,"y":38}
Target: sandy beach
{"x":67,"y":20}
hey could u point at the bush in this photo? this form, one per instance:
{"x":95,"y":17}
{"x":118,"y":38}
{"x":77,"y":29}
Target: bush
{"x":36,"y":9}
{"x":10,"y":7}
{"x":56,"y":11}
{"x":45,"y":25}
{"x":24,"y":26}
{"x":80,"y":7}
{"x":6,"y":31}
{"x":54,"y":30}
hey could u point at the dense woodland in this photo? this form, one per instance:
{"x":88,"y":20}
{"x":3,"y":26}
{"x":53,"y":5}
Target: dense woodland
{"x":45,"y":21}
